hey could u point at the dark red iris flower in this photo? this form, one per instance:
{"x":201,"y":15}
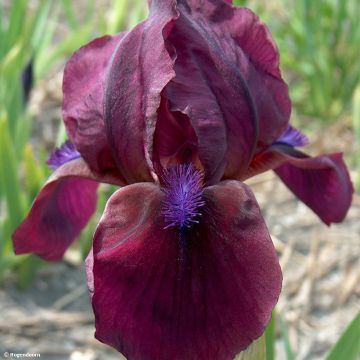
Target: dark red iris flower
{"x":179,"y":112}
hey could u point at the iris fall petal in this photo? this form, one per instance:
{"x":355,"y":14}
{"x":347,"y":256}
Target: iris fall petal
{"x":60,"y":211}
{"x":322,"y":183}
{"x":206,"y":292}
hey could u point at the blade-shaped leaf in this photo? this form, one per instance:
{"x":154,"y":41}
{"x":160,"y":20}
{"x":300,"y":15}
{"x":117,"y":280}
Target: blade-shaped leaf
{"x":270,"y":337}
{"x":348,"y":345}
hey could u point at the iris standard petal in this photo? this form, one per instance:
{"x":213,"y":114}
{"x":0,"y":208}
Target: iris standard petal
{"x":83,"y":89}
{"x":322,"y":183}
{"x":60,"y":211}
{"x":201,"y":293}
{"x":140,"y":69}
{"x":228,"y":82}
{"x":175,"y":141}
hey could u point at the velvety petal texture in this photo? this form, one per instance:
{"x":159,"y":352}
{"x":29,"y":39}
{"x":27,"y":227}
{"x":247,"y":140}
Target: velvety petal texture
{"x":322,"y":183}
{"x":228,"y":82}
{"x":175,"y":141}
{"x":60,"y":211}
{"x":201,"y":293}
{"x":140,"y":69}
{"x":83,"y":89}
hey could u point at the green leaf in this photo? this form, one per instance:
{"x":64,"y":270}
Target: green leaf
{"x":27,"y":269}
{"x":9,"y":177}
{"x":17,"y":16}
{"x":34,"y":175}
{"x":356,"y":125}
{"x":70,"y":14}
{"x":118,"y":16}
{"x":285,"y":336}
{"x":71,"y":43}
{"x":270,"y":337}
{"x":348,"y":346}
{"x":39,"y":24}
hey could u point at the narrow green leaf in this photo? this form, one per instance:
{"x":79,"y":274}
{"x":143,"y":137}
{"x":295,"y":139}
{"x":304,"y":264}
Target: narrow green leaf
{"x":356,"y":125}
{"x":27,"y":269}
{"x":39,"y":24}
{"x":66,"y":47}
{"x":17,"y":16}
{"x":270,"y":337}
{"x":34,"y":176}
{"x":9,"y":177}
{"x":285,"y":336}
{"x":70,"y":14}
{"x":61,"y":135}
{"x":348,"y":345}
{"x":22,"y":134}
{"x":118,"y":16}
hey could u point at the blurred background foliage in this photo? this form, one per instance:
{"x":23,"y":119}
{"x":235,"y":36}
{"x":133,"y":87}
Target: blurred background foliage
{"x":319,"y":44}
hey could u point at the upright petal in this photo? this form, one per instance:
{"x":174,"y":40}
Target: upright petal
{"x":140,"y":69}
{"x":60,"y":211}
{"x":322,"y":183}
{"x":175,"y":141}
{"x":83,"y":88}
{"x":202,"y":293}
{"x":228,"y":82}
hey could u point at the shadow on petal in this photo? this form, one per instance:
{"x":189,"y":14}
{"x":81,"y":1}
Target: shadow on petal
{"x":322,"y":182}
{"x":206,"y":292}
{"x":83,"y":89}
{"x":60,"y":211}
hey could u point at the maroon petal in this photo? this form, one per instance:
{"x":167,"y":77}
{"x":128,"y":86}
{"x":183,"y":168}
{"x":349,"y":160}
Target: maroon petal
{"x":322,"y":183}
{"x":203,"y":293}
{"x":140,"y":69}
{"x":60,"y":211}
{"x":228,"y":82}
{"x":175,"y":141}
{"x":83,"y":88}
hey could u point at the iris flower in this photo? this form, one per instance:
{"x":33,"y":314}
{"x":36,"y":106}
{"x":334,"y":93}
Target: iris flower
{"x":178,"y":112}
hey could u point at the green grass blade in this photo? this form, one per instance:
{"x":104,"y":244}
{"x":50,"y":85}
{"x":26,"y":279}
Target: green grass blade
{"x":70,"y":14}
{"x":39,"y":24}
{"x":118,"y":16}
{"x":9,"y":177}
{"x":348,"y":346}
{"x":270,"y":337}
{"x":356,"y":125}
{"x":17,"y":16}
{"x":65,"y":48}
{"x":285,"y":336}
{"x":34,"y":173}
